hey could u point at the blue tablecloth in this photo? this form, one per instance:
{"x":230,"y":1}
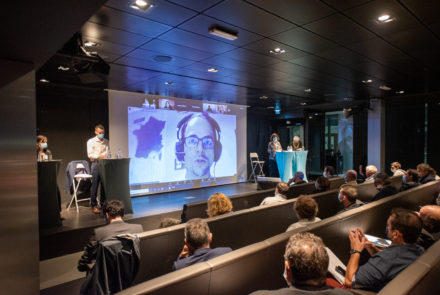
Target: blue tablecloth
{"x":291,"y":162}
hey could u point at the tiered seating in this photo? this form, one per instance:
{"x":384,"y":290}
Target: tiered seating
{"x":260,"y":265}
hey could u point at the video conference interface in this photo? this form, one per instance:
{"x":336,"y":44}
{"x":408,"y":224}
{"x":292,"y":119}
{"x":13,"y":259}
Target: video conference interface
{"x":178,"y":143}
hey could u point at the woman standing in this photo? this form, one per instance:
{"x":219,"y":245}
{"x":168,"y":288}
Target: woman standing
{"x":273,"y":147}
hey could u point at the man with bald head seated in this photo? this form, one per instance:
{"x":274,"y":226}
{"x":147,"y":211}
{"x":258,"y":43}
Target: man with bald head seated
{"x":305,"y":268}
{"x":370,"y":173}
{"x":403,"y":229}
{"x":430,"y":216}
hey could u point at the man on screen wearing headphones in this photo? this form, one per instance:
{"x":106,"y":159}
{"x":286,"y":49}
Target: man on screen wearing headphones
{"x":198,"y":144}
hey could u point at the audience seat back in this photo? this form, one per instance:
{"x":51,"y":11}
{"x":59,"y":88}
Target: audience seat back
{"x":367,"y":191}
{"x":336,"y":182}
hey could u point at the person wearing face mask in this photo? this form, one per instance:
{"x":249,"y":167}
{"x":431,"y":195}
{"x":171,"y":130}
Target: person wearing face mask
{"x":396,"y":169}
{"x":350,"y":177}
{"x":43,"y":153}
{"x":322,"y":184}
{"x":403,"y":229}
{"x":383,"y":185}
{"x":348,"y":197}
{"x":97,"y":148}
{"x":305,"y":268}
{"x":273,"y":147}
{"x":329,"y":172}
{"x":410,"y":179}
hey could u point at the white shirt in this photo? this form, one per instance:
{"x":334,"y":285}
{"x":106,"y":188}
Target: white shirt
{"x":275,"y":199}
{"x":302,"y":223}
{"x":96,"y":147}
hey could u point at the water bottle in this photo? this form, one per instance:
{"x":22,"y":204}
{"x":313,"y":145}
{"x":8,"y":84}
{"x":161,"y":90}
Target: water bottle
{"x":119,"y":154}
{"x":49,"y":155}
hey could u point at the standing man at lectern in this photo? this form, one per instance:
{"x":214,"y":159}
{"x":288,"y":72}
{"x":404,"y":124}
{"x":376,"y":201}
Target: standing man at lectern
{"x":97,"y":148}
{"x":273,"y":147}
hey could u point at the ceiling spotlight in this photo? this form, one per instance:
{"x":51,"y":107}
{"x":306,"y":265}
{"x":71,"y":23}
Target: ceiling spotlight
{"x":264,"y":97}
{"x":63,"y":68}
{"x":90,"y":44}
{"x":303,"y":103}
{"x":348,"y":98}
{"x":385,"y":18}
{"x":141,"y":5}
{"x":223,"y":32}
{"x":169,"y":83}
{"x":270,"y":107}
{"x":277,"y":51}
{"x":367,"y":81}
{"x":400,"y":92}
{"x":212,"y":70}
{"x":310,"y":117}
{"x":384,"y":87}
{"x":308,"y":90}
{"x":42,"y":80}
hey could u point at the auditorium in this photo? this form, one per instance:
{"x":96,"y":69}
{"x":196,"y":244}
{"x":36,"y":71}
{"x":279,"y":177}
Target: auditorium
{"x":220,"y":147}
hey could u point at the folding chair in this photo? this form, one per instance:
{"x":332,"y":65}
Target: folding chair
{"x":256,"y":166}
{"x":76,"y":181}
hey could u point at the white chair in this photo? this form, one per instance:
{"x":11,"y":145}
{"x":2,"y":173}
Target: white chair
{"x":78,"y":178}
{"x":256,"y":166}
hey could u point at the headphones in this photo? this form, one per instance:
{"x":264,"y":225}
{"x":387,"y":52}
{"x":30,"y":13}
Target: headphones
{"x":181,"y":127}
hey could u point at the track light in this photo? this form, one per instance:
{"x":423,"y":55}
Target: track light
{"x":223,"y":32}
{"x":141,"y":5}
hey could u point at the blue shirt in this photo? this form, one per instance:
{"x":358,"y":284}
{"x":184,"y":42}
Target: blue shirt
{"x":384,"y":266}
{"x":200,"y":255}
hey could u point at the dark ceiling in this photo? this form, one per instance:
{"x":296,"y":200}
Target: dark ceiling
{"x":331,"y":46}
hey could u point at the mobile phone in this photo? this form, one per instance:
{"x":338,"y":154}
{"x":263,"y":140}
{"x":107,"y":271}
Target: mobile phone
{"x":340,"y":270}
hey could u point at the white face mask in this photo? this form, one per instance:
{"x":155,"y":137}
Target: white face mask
{"x":275,"y":140}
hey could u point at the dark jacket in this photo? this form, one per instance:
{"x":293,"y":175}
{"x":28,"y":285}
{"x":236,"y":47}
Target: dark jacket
{"x":385,"y":192}
{"x":427,"y":178}
{"x":408,"y":185}
{"x":200,"y":255}
{"x":117,"y":263}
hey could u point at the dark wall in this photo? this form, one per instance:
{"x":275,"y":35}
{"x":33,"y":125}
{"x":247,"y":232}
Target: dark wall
{"x":360,"y":137}
{"x":19,"y":273}
{"x":433,"y":135}
{"x":67,"y":116}
{"x":315,"y":143}
{"x":258,"y":135}
{"x":404,"y":133}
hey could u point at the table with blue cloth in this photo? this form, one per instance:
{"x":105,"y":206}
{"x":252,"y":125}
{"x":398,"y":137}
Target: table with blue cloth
{"x":291,"y":162}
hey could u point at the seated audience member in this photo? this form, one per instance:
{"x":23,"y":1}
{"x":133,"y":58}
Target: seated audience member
{"x":370,"y":173}
{"x":383,"y":185}
{"x":403,"y":229}
{"x":298,"y":178}
{"x":350,"y":177}
{"x":396,"y":169}
{"x":305,"y":209}
{"x":329,"y":172}
{"x":322,"y":184}
{"x":114,"y":212}
{"x":197,"y":245}
{"x":361,"y":175}
{"x":430,"y":216}
{"x":348,"y":197}
{"x":426,"y":173}
{"x":305,"y":268}
{"x":280,"y":194}
{"x":218,"y":204}
{"x":410,"y":179}
{"x":168,"y":221}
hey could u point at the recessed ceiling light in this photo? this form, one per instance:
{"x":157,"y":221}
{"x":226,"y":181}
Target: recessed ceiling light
{"x":90,"y":44}
{"x":277,"y":51}
{"x":310,"y":117}
{"x":367,"y":81}
{"x":63,"y":68}
{"x":141,"y":5}
{"x":308,"y":90}
{"x":264,"y":97}
{"x":223,"y":32}
{"x":384,"y":87}
{"x":162,"y":58}
{"x":400,"y":92}
{"x":212,"y":70}
{"x":303,"y":103}
{"x":348,"y":98}
{"x":270,"y":107}
{"x":169,"y":83}
{"x":42,"y":80}
{"x":316,"y":114}
{"x":385,"y":18}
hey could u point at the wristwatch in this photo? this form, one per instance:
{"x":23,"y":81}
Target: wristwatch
{"x":352,"y":251}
